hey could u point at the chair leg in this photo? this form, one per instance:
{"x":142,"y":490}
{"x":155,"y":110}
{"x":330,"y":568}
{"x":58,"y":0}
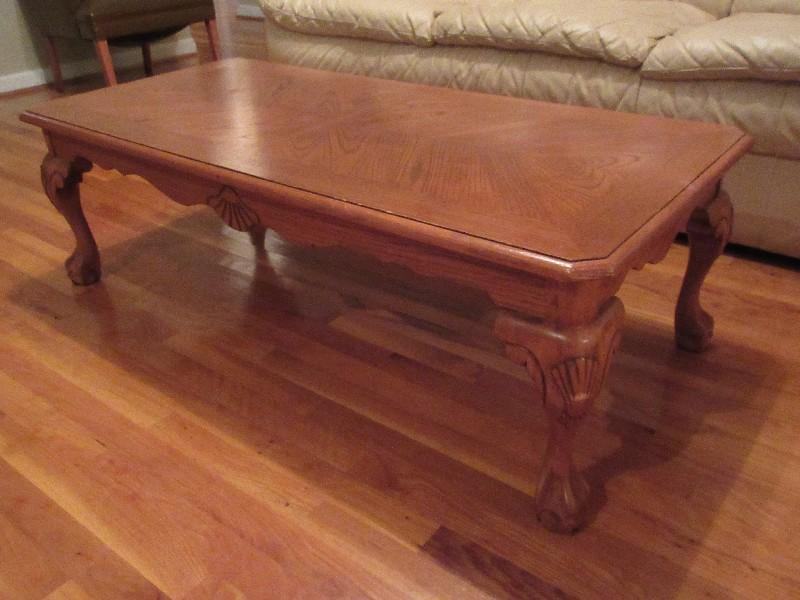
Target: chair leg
{"x":104,"y":54}
{"x":55,"y":64}
{"x":148,"y":60}
{"x":213,"y":37}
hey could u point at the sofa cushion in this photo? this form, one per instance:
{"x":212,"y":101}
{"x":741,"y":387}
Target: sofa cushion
{"x":399,"y":21}
{"x":619,"y":32}
{"x":742,"y":46}
{"x":769,"y":6}
{"x":718,"y":8}
{"x":769,"y":111}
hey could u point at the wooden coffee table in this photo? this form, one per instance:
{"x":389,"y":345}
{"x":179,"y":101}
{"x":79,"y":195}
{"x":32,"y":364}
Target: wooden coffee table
{"x":545,"y":207}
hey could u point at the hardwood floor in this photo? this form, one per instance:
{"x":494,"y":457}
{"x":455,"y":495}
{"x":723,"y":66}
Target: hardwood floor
{"x":211,"y":423}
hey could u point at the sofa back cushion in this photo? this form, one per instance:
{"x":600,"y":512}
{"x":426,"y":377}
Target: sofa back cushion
{"x":742,"y":46}
{"x":718,"y":8}
{"x":399,"y":21}
{"x":620,"y":32}
{"x":768,"y":6}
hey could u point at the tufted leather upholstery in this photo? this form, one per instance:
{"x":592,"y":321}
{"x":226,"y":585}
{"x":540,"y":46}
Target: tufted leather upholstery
{"x":742,"y":46}
{"x":718,"y":8}
{"x":767,"y":6}
{"x":404,"y":21}
{"x":615,"y":31}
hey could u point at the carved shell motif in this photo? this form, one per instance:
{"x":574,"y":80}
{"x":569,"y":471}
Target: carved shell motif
{"x":576,"y":382}
{"x":573,"y":384}
{"x":232,"y":209}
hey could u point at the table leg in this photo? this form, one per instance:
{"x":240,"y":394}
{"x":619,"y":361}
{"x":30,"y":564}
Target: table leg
{"x":570,"y":366}
{"x":709,"y":229}
{"x":258,"y":236}
{"x":61,"y":179}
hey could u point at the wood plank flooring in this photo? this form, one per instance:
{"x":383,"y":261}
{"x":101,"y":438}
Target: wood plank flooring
{"x":209,"y":422}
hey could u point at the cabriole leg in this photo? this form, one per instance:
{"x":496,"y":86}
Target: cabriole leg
{"x":570,"y":367}
{"x":258,"y":236}
{"x":709,"y":229}
{"x":61,"y":179}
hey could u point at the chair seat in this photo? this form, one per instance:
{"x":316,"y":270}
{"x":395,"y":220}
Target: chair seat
{"x":122,"y":19}
{"x":137,"y":39}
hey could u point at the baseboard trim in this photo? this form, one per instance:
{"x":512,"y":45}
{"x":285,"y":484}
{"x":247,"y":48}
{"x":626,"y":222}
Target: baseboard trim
{"x":249,"y":11}
{"x":122,"y":59}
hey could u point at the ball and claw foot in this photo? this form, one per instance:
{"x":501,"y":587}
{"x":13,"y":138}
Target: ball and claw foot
{"x":258,"y":237}
{"x":83,"y":270}
{"x":695,"y":334}
{"x":561,"y":501}
{"x":709,"y":229}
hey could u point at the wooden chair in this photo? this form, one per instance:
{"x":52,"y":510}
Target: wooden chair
{"x":118,"y":23}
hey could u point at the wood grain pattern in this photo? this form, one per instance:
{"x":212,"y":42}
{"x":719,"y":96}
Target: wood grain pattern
{"x":376,"y":404}
{"x":488,"y":167}
{"x":511,"y":279}
{"x":503,"y":578}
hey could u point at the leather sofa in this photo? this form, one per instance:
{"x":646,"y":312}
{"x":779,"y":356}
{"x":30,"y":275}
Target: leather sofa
{"x":729,"y":61}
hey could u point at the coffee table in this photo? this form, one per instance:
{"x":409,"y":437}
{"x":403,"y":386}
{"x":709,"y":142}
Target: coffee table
{"x":543,"y":206}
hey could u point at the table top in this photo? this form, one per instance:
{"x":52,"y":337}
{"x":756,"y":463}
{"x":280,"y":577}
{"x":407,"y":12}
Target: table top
{"x":564,"y":182}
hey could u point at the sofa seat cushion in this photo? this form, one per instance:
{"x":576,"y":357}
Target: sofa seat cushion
{"x":742,"y":46}
{"x":768,"y":110}
{"x":620,"y":32}
{"x":791,"y":7}
{"x":398,"y":21}
{"x":718,"y":8}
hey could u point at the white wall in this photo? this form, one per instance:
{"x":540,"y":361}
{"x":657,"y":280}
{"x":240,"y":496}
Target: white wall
{"x":17,"y":52}
{"x":23,"y":62}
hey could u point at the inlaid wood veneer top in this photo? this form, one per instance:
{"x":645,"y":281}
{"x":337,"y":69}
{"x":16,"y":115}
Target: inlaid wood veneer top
{"x":566,"y":182}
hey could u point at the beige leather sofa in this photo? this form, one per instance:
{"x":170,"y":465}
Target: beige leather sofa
{"x":730,"y":61}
